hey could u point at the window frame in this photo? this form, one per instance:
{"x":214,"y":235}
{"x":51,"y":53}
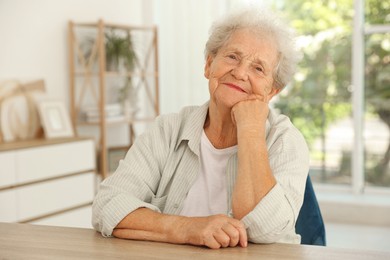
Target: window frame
{"x":360,"y":30}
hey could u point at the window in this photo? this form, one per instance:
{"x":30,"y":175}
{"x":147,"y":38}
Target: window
{"x":377,"y":93}
{"x":340,"y":97}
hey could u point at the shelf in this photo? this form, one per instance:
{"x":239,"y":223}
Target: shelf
{"x":115,"y":74}
{"x":38,"y":142}
{"x":117,"y":122}
{"x":92,"y":84}
{"x":116,"y":26}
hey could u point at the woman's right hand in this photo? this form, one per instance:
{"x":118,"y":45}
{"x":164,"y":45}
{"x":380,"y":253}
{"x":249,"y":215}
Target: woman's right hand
{"x":213,"y":231}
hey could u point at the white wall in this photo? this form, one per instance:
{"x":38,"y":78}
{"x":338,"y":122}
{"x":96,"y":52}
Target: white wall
{"x":33,"y":41}
{"x":33,"y":36}
{"x":183,"y":31}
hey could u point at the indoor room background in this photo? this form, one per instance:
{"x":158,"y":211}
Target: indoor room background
{"x":339,"y":98}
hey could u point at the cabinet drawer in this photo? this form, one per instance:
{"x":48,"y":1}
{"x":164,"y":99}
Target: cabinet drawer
{"x":8,"y":206}
{"x":51,"y":196}
{"x":54,"y":160}
{"x":7,"y":169}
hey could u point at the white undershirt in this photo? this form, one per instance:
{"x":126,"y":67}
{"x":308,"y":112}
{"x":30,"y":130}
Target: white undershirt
{"x":208,"y":195}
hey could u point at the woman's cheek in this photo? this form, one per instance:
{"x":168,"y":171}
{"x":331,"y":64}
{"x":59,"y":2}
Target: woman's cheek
{"x":213,"y":85}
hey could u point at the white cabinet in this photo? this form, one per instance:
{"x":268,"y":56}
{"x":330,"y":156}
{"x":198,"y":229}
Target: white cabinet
{"x":42,"y":180}
{"x":8,"y":206}
{"x":7,"y":169}
{"x":55,"y":160}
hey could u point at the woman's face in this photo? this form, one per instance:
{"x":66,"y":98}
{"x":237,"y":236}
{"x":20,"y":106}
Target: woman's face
{"x":242,"y":69}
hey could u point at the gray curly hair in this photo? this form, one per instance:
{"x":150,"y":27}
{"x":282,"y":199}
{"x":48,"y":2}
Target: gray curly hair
{"x":261,"y":21}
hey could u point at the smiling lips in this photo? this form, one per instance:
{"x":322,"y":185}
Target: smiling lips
{"x":230,"y":85}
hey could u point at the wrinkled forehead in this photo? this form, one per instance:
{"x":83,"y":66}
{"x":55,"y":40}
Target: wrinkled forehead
{"x":250,"y":34}
{"x":252,"y":44}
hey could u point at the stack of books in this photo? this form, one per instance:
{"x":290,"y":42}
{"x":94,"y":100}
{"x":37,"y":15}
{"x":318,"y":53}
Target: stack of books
{"x":113,"y":112}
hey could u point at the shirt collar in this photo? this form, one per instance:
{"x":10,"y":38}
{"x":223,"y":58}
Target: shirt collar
{"x":193,"y":127}
{"x":192,"y":130}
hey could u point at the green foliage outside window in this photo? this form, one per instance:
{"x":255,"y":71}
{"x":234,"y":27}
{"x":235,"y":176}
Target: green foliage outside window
{"x":321,"y":91}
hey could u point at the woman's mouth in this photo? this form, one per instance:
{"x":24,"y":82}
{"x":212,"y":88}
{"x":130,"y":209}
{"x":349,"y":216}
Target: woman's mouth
{"x":235,"y":87}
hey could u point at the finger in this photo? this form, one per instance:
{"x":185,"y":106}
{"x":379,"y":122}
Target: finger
{"x":233,"y":234}
{"x":243,"y":237}
{"x":211,"y":242}
{"x":242,"y":232}
{"x":260,"y":98}
{"x":222,"y":238}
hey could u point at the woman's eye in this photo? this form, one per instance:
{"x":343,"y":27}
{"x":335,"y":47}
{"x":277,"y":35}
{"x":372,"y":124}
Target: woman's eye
{"x":231,"y":56}
{"x":259,"y":69}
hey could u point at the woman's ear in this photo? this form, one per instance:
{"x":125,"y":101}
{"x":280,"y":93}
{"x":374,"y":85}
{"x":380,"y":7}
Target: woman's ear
{"x":207,"y":66}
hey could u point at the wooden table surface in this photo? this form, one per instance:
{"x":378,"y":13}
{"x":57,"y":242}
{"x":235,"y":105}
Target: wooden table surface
{"x":26,"y":241}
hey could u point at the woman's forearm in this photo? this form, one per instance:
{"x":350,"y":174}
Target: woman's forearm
{"x":254,"y":175}
{"x":212,"y":231}
{"x":146,"y":224}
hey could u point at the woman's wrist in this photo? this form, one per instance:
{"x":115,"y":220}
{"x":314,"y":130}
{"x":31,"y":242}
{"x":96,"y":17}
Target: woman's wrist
{"x":175,"y":228}
{"x":252,"y":132}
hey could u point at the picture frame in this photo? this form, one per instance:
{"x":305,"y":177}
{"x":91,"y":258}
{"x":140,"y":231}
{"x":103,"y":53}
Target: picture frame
{"x":55,"y":119}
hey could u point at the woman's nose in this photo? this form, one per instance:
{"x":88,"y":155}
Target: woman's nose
{"x":240,"y":72}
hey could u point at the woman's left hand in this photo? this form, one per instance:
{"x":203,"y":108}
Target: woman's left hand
{"x":251,"y":114}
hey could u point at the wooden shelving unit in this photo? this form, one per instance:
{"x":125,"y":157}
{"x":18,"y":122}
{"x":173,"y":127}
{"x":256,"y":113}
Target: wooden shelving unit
{"x":91,"y":83}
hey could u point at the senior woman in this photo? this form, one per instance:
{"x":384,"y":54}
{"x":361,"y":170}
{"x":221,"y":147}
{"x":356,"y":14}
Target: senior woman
{"x":224,"y":173}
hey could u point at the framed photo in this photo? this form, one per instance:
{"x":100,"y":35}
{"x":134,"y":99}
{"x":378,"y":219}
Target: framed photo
{"x":55,"y":119}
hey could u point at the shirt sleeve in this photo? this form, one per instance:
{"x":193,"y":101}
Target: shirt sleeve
{"x":132,"y":186}
{"x":273,"y":219}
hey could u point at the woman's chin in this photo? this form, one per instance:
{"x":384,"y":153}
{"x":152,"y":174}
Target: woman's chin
{"x":228,"y":103}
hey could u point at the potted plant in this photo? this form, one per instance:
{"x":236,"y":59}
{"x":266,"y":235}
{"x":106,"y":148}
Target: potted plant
{"x":119,"y":50}
{"x":120,"y":57}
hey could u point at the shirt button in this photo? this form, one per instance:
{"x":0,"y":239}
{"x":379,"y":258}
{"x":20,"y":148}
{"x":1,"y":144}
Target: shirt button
{"x":176,"y":205}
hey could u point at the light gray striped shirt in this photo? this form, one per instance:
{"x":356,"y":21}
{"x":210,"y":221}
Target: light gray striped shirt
{"x":163,"y":163}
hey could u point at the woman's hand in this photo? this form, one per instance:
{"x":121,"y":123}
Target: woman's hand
{"x":252,"y":113}
{"x":213,"y":231}
{"x":250,"y":116}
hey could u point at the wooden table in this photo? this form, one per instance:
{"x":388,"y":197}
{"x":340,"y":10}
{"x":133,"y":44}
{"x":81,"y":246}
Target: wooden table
{"x":26,"y":241}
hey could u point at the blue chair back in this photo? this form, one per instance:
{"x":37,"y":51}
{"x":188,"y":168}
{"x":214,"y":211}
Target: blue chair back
{"x":310,"y":224}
